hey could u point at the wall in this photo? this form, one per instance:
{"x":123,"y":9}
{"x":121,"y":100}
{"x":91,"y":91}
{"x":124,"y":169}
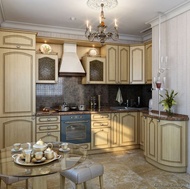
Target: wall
{"x":71,"y":91}
{"x":175,"y":43}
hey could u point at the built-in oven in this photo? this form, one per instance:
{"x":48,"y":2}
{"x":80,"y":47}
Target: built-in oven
{"x":76,"y":128}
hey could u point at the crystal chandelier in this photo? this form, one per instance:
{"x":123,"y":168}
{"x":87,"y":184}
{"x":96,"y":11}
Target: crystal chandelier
{"x":101,"y":34}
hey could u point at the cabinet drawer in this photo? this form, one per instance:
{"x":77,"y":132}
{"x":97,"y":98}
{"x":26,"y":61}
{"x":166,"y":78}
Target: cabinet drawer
{"x":17,"y":40}
{"x":48,"y":127}
{"x":95,"y":124}
{"x":49,"y":136}
{"x":100,"y":116}
{"x":47,"y":119}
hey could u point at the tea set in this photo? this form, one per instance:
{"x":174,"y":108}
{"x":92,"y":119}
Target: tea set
{"x":40,"y":152}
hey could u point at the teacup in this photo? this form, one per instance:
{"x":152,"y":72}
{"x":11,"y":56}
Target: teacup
{"x":38,"y":155}
{"x":16,"y":146}
{"x":64,"y":145}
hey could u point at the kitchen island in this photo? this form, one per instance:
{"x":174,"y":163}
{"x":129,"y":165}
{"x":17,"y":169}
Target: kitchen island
{"x":166,"y":141}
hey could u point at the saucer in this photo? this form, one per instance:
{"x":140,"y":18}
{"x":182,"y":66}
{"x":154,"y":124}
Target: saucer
{"x":62,"y":150}
{"x":19,"y":150}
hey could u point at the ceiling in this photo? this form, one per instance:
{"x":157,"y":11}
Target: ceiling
{"x":71,"y":15}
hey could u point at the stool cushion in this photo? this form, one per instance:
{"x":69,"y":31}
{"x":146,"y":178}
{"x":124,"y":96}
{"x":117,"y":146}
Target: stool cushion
{"x":84,"y":172}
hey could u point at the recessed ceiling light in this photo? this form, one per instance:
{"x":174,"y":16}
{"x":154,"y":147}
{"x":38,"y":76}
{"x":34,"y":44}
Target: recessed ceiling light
{"x":72,"y":18}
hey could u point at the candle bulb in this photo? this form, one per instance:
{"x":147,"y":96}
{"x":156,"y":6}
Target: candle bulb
{"x":115,"y":23}
{"x":87,"y":23}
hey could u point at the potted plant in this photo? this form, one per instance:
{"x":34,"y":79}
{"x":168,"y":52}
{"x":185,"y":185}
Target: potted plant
{"x":168,"y":101}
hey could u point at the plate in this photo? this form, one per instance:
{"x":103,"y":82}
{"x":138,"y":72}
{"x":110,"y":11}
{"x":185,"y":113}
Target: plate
{"x":13,"y":150}
{"x":93,"y":52}
{"x":45,"y":49}
{"x":18,"y":160}
{"x":62,"y":150}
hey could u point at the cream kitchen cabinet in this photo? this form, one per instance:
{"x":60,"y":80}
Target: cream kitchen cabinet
{"x":46,"y":68}
{"x":17,"y":39}
{"x":100,"y":131}
{"x":17,"y":78}
{"x":166,"y":144}
{"x":16,"y":129}
{"x":95,"y":70}
{"x":117,"y":64}
{"x":142,"y":130}
{"x":137,"y":65}
{"x":148,"y":63}
{"x":124,"y":129}
{"x":48,"y":128}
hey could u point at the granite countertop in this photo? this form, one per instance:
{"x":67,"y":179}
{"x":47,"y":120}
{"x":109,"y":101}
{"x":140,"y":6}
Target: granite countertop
{"x":163,"y":116}
{"x":146,"y":113}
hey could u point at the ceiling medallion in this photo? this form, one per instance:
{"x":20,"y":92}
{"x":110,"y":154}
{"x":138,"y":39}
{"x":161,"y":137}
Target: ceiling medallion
{"x":96,"y":4}
{"x":101,"y":33}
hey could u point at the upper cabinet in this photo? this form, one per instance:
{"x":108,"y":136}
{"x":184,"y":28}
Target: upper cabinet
{"x":137,"y":65}
{"x":148,"y":63}
{"x":95,"y":70}
{"x":19,"y":40}
{"x":46,"y":68}
{"x":17,"y":80}
{"x":117,"y":64}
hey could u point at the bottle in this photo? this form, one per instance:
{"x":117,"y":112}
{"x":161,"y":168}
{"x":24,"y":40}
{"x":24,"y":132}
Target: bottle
{"x":94,"y":102}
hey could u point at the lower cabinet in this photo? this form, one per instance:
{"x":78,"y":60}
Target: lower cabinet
{"x":16,"y":129}
{"x":48,"y":128}
{"x":142,"y":130}
{"x":124,"y":129}
{"x":100,"y":131}
{"x":166,"y":144}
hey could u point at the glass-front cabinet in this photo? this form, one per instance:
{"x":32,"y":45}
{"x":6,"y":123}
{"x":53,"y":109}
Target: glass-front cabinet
{"x":95,"y":70}
{"x":46,"y":68}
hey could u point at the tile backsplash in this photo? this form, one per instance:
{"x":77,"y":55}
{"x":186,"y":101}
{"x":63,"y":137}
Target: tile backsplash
{"x":71,"y":91}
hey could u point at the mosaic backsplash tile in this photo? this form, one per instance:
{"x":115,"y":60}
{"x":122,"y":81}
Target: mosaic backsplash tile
{"x":71,"y":91}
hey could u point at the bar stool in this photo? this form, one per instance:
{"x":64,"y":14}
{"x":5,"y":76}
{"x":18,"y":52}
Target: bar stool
{"x":87,"y":170}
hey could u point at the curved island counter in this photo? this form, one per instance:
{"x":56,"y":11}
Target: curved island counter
{"x":166,"y":141}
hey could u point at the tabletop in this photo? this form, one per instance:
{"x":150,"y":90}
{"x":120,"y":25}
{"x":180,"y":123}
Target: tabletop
{"x":64,"y":160}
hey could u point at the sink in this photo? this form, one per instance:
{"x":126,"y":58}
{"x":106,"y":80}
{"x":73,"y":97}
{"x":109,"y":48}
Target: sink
{"x":127,"y":108}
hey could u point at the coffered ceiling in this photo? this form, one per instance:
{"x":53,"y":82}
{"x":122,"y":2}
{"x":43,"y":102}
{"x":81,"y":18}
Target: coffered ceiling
{"x":70,"y":15}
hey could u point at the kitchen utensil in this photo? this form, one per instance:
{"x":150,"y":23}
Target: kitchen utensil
{"x":81,"y":107}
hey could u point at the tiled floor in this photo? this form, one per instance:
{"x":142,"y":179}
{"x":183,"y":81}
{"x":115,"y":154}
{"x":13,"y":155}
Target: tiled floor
{"x":127,"y":170}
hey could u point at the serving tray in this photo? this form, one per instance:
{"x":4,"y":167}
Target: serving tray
{"x":18,"y":160}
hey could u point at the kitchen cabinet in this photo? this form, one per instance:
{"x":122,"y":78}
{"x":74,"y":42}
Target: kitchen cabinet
{"x":16,"y":129}
{"x":48,"y":128}
{"x":95,"y":70}
{"x":137,"y":65}
{"x":17,"y":39}
{"x":117,"y":64}
{"x":128,"y":128}
{"x":166,"y":144}
{"x":100,"y":131}
{"x":148,"y":63}
{"x":124,"y":129}
{"x":142,"y":130}
{"x":46,"y":68}
{"x":17,"y":79}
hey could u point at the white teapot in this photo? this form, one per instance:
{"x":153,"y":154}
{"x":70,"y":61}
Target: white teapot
{"x":49,"y":153}
{"x":39,"y":146}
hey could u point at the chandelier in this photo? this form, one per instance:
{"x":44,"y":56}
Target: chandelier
{"x":101,"y":34}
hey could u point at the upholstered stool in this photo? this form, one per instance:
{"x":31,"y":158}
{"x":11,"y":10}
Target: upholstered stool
{"x":10,"y":180}
{"x":82,"y":173}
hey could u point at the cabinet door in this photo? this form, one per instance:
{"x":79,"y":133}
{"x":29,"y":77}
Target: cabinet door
{"x":112,"y":64}
{"x":49,"y":136}
{"x":17,"y":40}
{"x":142,"y":130}
{"x":123,"y":70}
{"x":151,"y":149}
{"x":46,"y":68}
{"x":18,"y":129}
{"x":148,"y":63}
{"x":137,"y":68}
{"x":114,"y":130}
{"x":172,"y":143}
{"x":100,"y":138}
{"x":95,"y":70}
{"x":128,"y":128}
{"x":17,"y":82}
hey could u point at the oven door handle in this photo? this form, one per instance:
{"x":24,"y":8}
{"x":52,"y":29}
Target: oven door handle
{"x":76,"y":121}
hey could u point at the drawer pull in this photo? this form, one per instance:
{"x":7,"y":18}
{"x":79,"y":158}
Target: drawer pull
{"x":49,"y":119}
{"x":18,"y":46}
{"x":48,"y":134}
